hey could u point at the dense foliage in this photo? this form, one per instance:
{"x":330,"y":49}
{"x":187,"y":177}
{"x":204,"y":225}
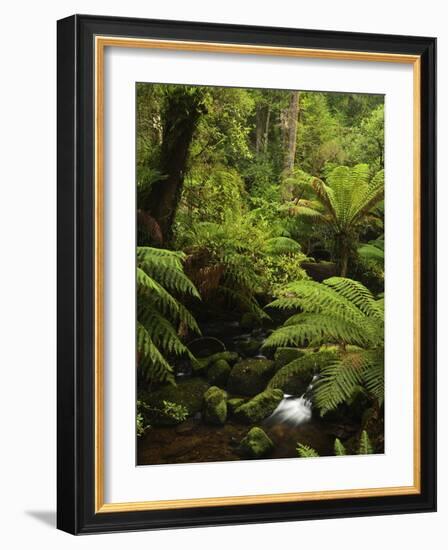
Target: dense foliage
{"x":262,"y":208}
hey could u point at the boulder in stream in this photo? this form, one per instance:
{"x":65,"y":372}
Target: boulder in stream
{"x":256,"y":444}
{"x":187,"y":393}
{"x":206,"y":346}
{"x":250,"y":376}
{"x":203,"y":364}
{"x":283,"y":356}
{"x":218,"y":373}
{"x":259,"y":407}
{"x":215,"y":405}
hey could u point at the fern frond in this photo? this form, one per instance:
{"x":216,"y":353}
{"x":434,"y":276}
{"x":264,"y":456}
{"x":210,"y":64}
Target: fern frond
{"x":339,"y":449}
{"x":317,"y":329}
{"x":305,"y":451}
{"x":160,"y":315}
{"x":373,"y":375}
{"x":163,"y":334}
{"x":313,"y":297}
{"x":247,"y":302}
{"x":282,"y":245}
{"x":365,"y":446}
{"x":356,"y":293}
{"x":151,"y":360}
{"x":338,"y":381}
{"x":310,"y":363}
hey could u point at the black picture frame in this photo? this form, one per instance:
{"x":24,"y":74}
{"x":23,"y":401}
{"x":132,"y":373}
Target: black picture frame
{"x":76,"y":271}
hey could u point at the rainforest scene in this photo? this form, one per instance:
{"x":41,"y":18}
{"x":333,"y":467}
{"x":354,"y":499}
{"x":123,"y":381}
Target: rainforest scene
{"x":259,"y":274}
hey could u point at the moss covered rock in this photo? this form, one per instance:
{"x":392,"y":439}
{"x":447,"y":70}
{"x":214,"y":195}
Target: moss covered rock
{"x":256,"y":444}
{"x":249,"y":347}
{"x":206,"y":346}
{"x":203,"y":364}
{"x":259,"y":407}
{"x":234,"y":403}
{"x":250,"y":376}
{"x":218,"y":373}
{"x":215,"y":405}
{"x":283,"y":356}
{"x":188,"y":393}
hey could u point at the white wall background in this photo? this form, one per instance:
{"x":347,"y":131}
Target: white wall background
{"x":27,"y":273}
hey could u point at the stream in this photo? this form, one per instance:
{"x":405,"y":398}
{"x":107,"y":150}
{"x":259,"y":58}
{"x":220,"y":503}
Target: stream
{"x":195,"y":441}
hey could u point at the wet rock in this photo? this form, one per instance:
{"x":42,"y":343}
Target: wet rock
{"x":206,"y":346}
{"x":259,"y":407}
{"x":249,"y":347}
{"x":250,"y":376}
{"x":215,"y":405}
{"x":256,"y":444}
{"x":188,"y":393}
{"x":218,"y":373}
{"x":283,"y":356}
{"x":319,"y":271}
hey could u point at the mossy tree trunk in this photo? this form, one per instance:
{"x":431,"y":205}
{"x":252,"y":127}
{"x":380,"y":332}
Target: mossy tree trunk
{"x":183,"y":109}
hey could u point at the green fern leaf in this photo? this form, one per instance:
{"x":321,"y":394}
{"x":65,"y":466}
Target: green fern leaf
{"x":365,"y":446}
{"x":339,"y":449}
{"x":304,"y":451}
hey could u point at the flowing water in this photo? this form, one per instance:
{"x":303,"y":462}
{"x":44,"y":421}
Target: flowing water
{"x":195,"y":441}
{"x":292,"y":411}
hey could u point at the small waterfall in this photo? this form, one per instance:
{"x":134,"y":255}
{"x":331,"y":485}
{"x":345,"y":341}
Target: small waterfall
{"x":293,"y":410}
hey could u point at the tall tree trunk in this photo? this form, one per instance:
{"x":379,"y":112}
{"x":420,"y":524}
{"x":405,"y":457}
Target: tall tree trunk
{"x":290,"y":129}
{"x":180,"y":118}
{"x":266,"y":129}
{"x":259,"y":120}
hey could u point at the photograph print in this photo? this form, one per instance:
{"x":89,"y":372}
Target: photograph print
{"x":259,"y":274}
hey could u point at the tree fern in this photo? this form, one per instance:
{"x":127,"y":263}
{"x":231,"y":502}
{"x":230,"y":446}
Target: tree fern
{"x":342,"y":312}
{"x":343,"y":204}
{"x":161,"y":316}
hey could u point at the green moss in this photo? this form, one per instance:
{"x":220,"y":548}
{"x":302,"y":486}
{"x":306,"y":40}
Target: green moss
{"x":215,"y":405}
{"x":283,"y":356}
{"x":249,"y":348}
{"x":256,"y":444}
{"x":250,"y":376}
{"x":187,"y":393}
{"x":260,"y":407}
{"x":234,"y":403}
{"x":203,"y":364}
{"x":218,"y":373}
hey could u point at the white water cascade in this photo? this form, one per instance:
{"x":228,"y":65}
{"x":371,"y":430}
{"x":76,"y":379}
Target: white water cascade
{"x":293,"y":410}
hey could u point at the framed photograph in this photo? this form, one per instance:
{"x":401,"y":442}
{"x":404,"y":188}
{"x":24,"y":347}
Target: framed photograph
{"x":246,"y":274}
